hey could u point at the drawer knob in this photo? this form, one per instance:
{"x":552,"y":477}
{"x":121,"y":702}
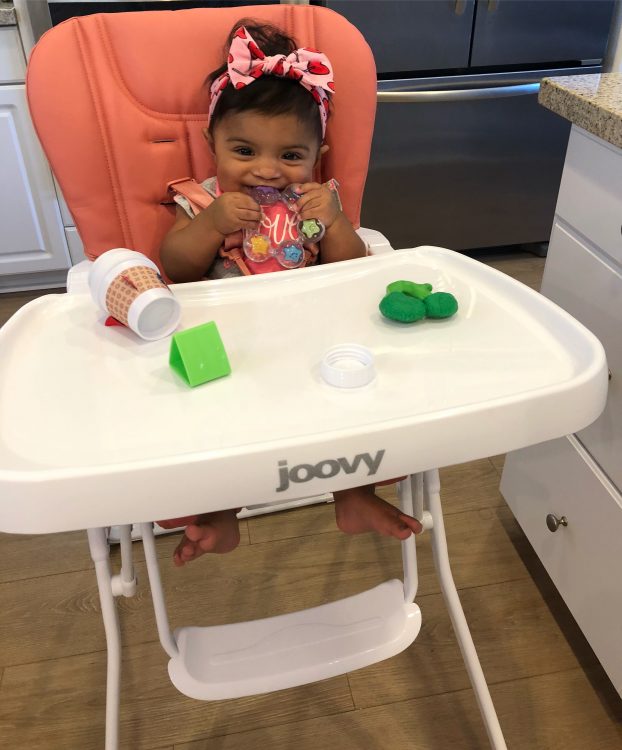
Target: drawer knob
{"x":553,"y":522}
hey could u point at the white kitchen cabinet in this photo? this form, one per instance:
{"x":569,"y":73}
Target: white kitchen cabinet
{"x":560,"y":479}
{"x":12,"y":62}
{"x":580,"y":279}
{"x":74,"y":243}
{"x":33,"y":246}
{"x":579,"y":478}
{"x":33,"y":237}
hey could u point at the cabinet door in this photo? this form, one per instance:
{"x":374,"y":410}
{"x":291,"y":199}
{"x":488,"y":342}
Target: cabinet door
{"x":33,"y":239}
{"x":12,"y":62}
{"x":578,"y":279}
{"x":590,"y":194}
{"x":583,"y":558}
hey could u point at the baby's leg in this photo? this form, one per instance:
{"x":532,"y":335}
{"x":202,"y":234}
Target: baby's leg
{"x":359,"y":509}
{"x":209,"y":532}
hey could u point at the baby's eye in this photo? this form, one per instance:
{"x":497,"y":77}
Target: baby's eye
{"x":243,"y":151}
{"x":292,"y":156}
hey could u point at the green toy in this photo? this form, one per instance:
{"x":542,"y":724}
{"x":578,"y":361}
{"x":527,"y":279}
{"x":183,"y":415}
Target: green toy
{"x":420,"y":291}
{"x":440,"y":305}
{"x":198,"y":355}
{"x":399,"y":306}
{"x":407,"y":302}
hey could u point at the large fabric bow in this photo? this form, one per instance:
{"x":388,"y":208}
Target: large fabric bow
{"x":246,"y":63}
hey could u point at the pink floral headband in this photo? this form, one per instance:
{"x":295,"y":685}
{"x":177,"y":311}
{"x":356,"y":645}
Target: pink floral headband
{"x":246,"y":63}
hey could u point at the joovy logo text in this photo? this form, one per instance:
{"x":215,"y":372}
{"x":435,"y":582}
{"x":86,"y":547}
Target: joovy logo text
{"x":326,"y":469}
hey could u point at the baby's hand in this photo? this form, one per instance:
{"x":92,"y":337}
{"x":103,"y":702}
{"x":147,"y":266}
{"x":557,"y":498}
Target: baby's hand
{"x":317,"y":202}
{"x":233,"y":211}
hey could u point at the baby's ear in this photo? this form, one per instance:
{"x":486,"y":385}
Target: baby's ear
{"x":321,"y":151}
{"x":210,"y":141}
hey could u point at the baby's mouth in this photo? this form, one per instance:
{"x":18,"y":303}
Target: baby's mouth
{"x":265,"y":195}
{"x":263,"y":186}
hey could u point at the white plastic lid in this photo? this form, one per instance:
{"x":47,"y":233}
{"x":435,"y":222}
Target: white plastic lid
{"x":348,"y":366}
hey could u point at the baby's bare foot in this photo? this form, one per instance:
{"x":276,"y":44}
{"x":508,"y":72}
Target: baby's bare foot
{"x":174,"y":523}
{"x":211,"y":532}
{"x":359,"y":510}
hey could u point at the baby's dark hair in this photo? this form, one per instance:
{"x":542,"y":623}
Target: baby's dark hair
{"x":269,"y":94}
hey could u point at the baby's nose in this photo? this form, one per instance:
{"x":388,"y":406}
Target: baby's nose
{"x":267,"y":169}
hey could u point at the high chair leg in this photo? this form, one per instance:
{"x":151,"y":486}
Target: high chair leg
{"x":410,"y":491}
{"x":157,"y":592}
{"x":98,"y":545}
{"x":458,"y":620}
{"x":124,"y":582}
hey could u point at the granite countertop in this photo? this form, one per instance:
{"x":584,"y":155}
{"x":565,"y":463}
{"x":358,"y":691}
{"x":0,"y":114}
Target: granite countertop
{"x":7,"y":14}
{"x":593,"y":102}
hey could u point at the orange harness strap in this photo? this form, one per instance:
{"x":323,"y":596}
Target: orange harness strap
{"x":197,"y":197}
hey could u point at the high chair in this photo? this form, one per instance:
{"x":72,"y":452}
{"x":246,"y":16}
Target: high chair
{"x":127,"y":120}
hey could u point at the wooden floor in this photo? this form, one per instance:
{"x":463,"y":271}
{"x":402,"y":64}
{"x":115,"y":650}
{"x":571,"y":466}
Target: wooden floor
{"x":548,"y":688}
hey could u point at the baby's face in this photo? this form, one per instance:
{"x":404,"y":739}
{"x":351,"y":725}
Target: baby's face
{"x":251,"y":149}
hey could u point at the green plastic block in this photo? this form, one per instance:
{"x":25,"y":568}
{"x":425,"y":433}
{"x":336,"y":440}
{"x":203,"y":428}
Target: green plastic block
{"x":402,"y":308}
{"x":440,"y":305}
{"x":198,"y":354}
{"x":419,"y":291}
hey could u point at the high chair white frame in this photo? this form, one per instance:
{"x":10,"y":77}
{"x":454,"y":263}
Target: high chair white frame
{"x":555,"y":381}
{"x":362,"y":638}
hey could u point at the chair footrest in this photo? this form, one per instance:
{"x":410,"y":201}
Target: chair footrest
{"x":260,"y":656}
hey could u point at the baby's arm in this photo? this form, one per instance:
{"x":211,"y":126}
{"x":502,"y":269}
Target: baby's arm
{"x":190,"y":245}
{"x":340,"y":242}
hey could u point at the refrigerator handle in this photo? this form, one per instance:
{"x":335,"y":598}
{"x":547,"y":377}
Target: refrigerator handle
{"x":458,"y":95}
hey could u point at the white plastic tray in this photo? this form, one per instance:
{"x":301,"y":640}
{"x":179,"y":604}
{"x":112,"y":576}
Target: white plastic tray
{"x":96,"y":429}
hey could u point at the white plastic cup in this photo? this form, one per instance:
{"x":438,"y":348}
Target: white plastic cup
{"x":127,"y":285}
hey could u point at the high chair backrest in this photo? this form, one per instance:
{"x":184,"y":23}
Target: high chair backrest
{"x":119,"y":102}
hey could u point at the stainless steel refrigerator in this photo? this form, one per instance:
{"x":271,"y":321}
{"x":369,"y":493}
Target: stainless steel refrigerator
{"x":463,"y":156}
